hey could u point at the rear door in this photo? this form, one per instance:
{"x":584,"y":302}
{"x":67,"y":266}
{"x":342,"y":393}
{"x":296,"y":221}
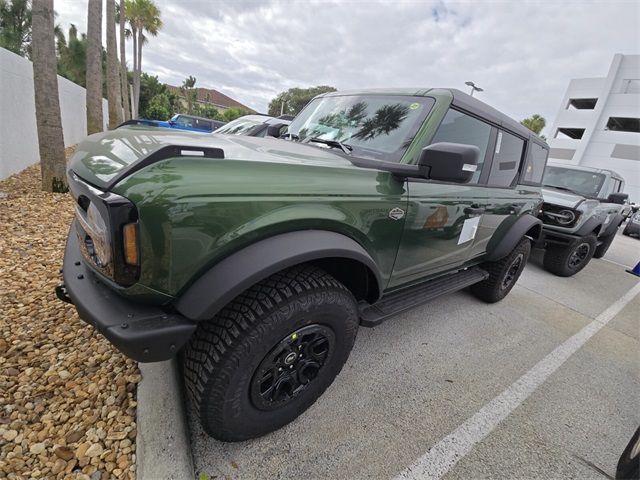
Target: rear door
{"x":433,"y":239}
{"x":508,"y":194}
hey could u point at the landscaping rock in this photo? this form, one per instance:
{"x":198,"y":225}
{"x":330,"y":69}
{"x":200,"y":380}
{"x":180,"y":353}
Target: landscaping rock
{"x":64,"y":389}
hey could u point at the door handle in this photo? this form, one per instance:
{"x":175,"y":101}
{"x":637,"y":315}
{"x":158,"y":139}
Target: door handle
{"x":474,"y":210}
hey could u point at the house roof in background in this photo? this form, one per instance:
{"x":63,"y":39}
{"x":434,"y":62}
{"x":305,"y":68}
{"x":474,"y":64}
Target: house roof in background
{"x":216,"y":98}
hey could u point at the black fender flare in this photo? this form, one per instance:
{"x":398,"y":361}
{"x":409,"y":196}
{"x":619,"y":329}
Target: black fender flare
{"x":250,"y":265}
{"x":509,"y":233}
{"x":589,"y":226}
{"x":613,"y":225}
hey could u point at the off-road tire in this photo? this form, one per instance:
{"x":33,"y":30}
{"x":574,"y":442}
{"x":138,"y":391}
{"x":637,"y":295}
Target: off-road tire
{"x":503,"y":274}
{"x":629,"y":463}
{"x":601,"y":249}
{"x":557,"y":257}
{"x":224,"y":357}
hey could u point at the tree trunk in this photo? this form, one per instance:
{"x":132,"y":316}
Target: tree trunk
{"x":113,"y":69}
{"x":134,"y":35}
{"x":138,"y":73}
{"x":94,"y":67}
{"x":123,"y":63}
{"x":45,"y":84}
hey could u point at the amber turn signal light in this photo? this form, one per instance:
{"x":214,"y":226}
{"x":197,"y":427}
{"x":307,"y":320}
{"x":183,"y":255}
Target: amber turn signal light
{"x":130,"y":236}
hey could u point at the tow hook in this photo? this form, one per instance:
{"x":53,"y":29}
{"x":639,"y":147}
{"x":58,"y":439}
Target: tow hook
{"x":61,"y":293}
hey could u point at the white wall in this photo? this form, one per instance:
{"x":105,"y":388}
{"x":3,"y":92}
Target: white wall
{"x":18,"y":131}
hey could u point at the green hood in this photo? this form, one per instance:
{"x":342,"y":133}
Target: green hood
{"x":102,"y":156}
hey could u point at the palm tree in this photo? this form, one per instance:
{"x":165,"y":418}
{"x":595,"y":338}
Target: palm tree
{"x":15,"y":26}
{"x":123,"y":62}
{"x":535,"y":123}
{"x":113,"y":69}
{"x":143,"y":16}
{"x":45,"y":85}
{"x":72,"y":56}
{"x":94,"y":67}
{"x":189,"y":92}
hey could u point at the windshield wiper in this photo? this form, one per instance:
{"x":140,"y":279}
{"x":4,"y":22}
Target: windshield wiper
{"x":331,"y":143}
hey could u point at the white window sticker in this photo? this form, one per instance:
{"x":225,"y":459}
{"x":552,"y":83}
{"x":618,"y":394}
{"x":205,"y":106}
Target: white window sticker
{"x":499,"y":142}
{"x":469,"y":229}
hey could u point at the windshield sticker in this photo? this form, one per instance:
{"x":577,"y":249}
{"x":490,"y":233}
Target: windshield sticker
{"x":413,"y":106}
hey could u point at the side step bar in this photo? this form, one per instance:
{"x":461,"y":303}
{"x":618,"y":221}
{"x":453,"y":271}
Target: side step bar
{"x":407,"y":298}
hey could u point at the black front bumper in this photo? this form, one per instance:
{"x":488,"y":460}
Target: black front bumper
{"x":142,"y":332}
{"x":548,"y":236}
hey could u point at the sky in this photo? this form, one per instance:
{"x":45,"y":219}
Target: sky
{"x":522,"y":53}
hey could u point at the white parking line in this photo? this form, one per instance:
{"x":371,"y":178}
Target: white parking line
{"x":452,"y":448}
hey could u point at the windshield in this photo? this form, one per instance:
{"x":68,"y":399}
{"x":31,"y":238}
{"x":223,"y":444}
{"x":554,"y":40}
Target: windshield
{"x":240,"y":126}
{"x":376,"y":126}
{"x":578,"y":181}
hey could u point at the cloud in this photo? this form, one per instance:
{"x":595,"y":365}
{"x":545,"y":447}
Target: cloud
{"x":522,"y":53}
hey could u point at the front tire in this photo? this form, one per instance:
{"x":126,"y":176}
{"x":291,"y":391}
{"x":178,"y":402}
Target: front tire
{"x":601,"y":249}
{"x":269,"y":354}
{"x":567,"y":261}
{"x":503,"y":274}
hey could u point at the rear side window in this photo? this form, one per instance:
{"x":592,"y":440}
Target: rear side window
{"x":458,"y":127}
{"x":534,"y":165}
{"x":506,"y":160}
{"x":616,"y":185}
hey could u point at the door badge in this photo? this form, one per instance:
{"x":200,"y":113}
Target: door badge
{"x":396,"y":213}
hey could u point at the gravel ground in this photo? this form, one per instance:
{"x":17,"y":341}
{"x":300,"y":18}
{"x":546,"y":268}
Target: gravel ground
{"x":67,"y":397}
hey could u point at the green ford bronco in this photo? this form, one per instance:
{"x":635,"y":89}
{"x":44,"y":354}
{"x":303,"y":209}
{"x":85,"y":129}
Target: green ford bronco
{"x":583,"y":208}
{"x":256,"y":259}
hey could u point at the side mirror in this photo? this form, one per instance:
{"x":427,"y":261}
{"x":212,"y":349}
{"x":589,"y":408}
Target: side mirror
{"x":274,"y":130}
{"x":449,"y":162}
{"x":620,"y":198}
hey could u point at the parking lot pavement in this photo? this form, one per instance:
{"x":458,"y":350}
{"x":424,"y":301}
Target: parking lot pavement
{"x":415,"y":379}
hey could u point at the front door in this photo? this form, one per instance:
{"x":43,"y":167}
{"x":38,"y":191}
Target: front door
{"x":435,"y":237}
{"x":443,"y":219}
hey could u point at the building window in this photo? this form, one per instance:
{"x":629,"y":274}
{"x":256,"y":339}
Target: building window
{"x":561,"y":153}
{"x":574,"y":133}
{"x":506,"y":161}
{"x":582,"y":103}
{"x":628,"y":152}
{"x":631,"y":85}
{"x":624,"y":124}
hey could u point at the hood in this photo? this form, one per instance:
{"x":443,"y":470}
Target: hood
{"x":563,"y":199}
{"x":102,"y":156}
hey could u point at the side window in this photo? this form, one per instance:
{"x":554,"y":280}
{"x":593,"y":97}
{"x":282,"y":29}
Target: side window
{"x":506,"y":160}
{"x":534,"y":165}
{"x":616,"y":185}
{"x":458,"y":127}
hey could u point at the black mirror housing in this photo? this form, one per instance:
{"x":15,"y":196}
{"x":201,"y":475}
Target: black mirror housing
{"x":274,"y":130}
{"x":449,"y":162}
{"x":619,"y":198}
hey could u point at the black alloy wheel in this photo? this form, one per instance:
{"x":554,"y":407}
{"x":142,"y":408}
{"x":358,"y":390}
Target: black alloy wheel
{"x":291,"y":366}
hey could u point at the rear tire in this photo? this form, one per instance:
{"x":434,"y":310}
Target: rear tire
{"x":503,"y":274}
{"x":601,"y":249}
{"x":567,"y":261}
{"x":268,"y":355}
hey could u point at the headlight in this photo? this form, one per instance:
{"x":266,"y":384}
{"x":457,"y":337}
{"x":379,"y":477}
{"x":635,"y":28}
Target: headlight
{"x":556,"y":215}
{"x":97,"y":240}
{"x":563,"y":217}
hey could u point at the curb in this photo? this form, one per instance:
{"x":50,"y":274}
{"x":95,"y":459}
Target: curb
{"x":163,"y":446}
